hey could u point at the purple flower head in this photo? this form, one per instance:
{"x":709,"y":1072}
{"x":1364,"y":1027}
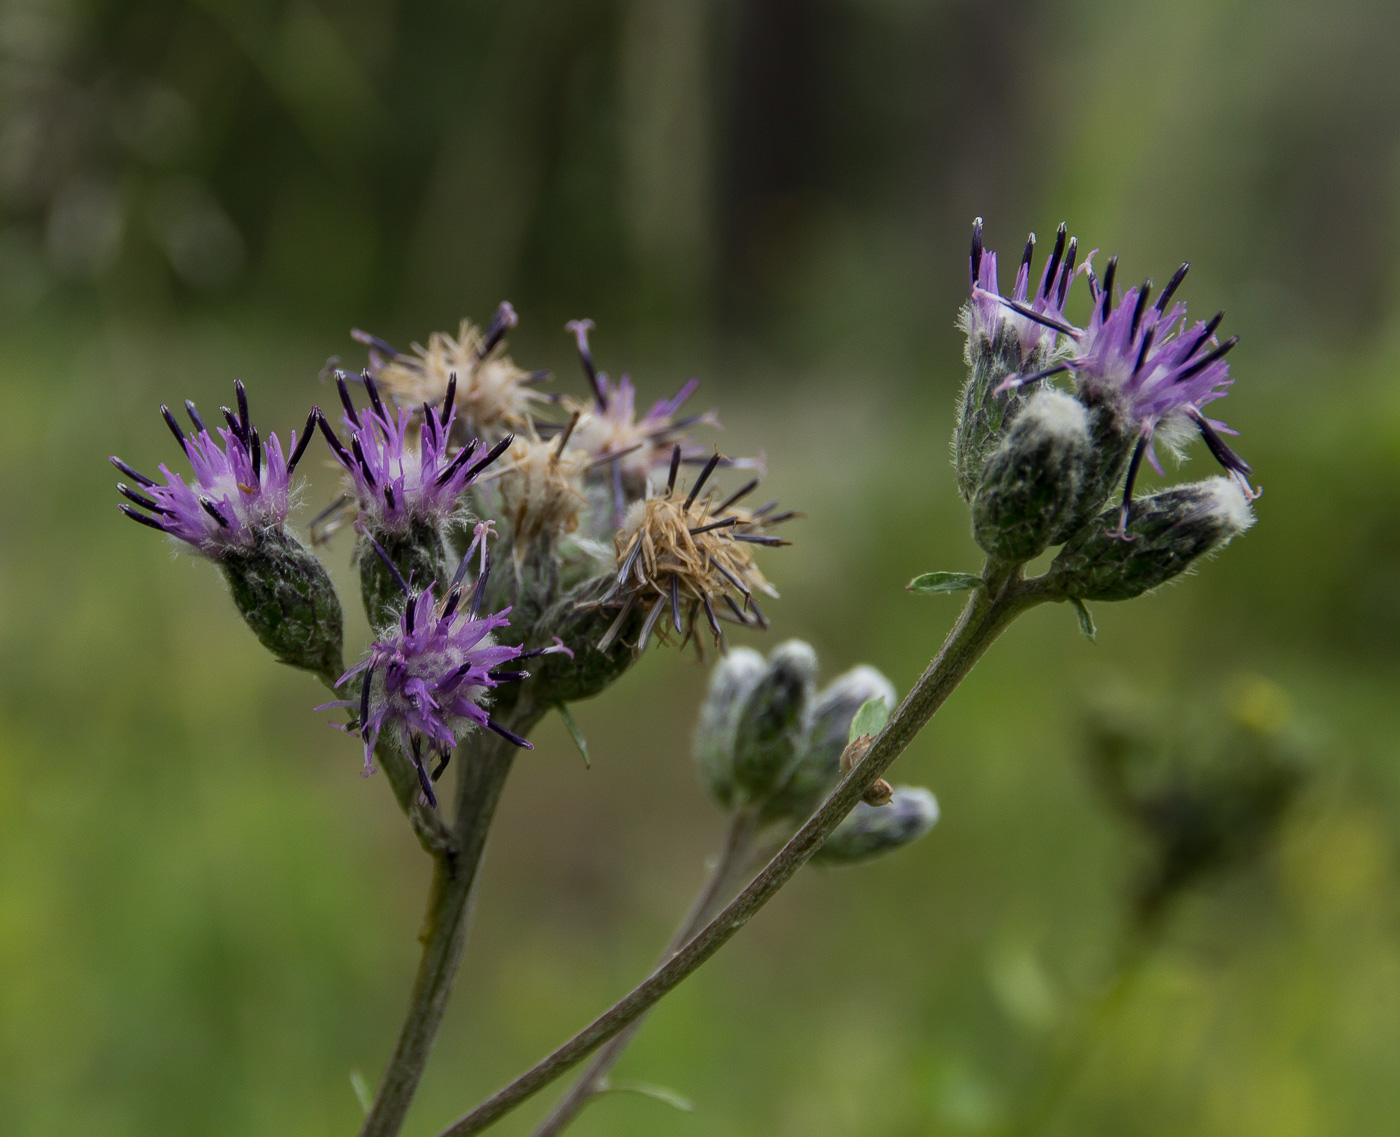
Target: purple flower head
{"x":628,"y":449}
{"x":430,"y":681}
{"x":1034,"y":316}
{"x":1156,"y":371}
{"x":395,"y":482}
{"x":240,"y":485}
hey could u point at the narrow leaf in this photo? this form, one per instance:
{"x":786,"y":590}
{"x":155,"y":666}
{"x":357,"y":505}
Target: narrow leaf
{"x":656,"y":1093}
{"x":870,"y":719}
{"x":361,"y":1088}
{"x":1086,"y":620}
{"x":934,"y":582}
{"x":574,"y":732}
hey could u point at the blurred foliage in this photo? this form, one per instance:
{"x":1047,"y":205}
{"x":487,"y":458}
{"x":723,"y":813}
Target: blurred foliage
{"x":207,"y":920}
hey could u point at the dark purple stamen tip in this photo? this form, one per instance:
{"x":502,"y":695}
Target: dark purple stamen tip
{"x":1147,"y":338}
{"x":1143,"y":293}
{"x":242,"y":396}
{"x":1040,"y":318}
{"x":256,"y":454}
{"x":141,"y":499}
{"x":1207,"y":359}
{"x":449,"y":399}
{"x":710,"y":617}
{"x":209,"y":507}
{"x":131,"y":512}
{"x":461,"y":458}
{"x":491,"y":455}
{"x":304,"y":441}
{"x":358,"y":451}
{"x":388,"y":562}
{"x":1108,"y":274}
{"x":504,"y":319}
{"x":738,"y":612}
{"x":388,"y":495}
{"x":1054,"y":267}
{"x":375,"y":401}
{"x":194,"y":416}
{"x":738,"y":495}
{"x":1218,"y":448}
{"x":369,"y":339}
{"x":976,"y":255}
{"x":444,"y":757}
{"x":509,"y":735}
{"x":1206,"y":333}
{"x":676,"y":603}
{"x":508,"y":676}
{"x":675,"y":468}
{"x":174,"y":426}
{"x":1172,"y":285}
{"x":760,"y":539}
{"x":1134,"y":464}
{"x":726,"y":523}
{"x":450,"y":604}
{"x":337,"y":447}
{"x":410,"y":613}
{"x":1067,"y":272}
{"x":345,"y":400}
{"x":132,"y":473}
{"x":581,"y":328}
{"x":700,"y":481}
{"x":1028,"y":252}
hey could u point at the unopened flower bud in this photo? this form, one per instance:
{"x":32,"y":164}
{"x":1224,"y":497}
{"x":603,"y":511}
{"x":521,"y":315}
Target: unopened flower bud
{"x":828,"y":729}
{"x":1164,"y":534}
{"x":770,"y":720}
{"x":871,"y":831}
{"x":1032,"y":480}
{"x":283,"y":593}
{"x":731,"y":683}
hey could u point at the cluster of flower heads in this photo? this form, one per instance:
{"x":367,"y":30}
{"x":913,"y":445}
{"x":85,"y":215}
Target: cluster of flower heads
{"x":1154,"y":370}
{"x":449,"y":438}
{"x":241,"y":486}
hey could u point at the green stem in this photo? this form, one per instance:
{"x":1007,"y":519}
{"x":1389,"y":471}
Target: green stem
{"x":484,"y":767}
{"x":987,"y":614}
{"x":734,"y":857}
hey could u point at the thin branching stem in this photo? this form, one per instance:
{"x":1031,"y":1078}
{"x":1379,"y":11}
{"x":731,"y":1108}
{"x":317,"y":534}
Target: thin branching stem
{"x":735,"y":856}
{"x":988,"y":613}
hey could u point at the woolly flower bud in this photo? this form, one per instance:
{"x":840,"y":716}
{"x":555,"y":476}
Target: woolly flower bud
{"x":871,"y":831}
{"x":1164,"y":534}
{"x":283,"y":593}
{"x":825,"y":735}
{"x":769,"y":726}
{"x":492,"y":395}
{"x":731,"y":683}
{"x":1031,"y":481}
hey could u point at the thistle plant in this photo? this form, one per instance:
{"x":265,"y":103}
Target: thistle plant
{"x":517,"y":551}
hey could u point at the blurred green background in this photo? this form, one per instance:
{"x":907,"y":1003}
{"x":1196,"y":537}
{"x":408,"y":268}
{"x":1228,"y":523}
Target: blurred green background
{"x":207,"y":918}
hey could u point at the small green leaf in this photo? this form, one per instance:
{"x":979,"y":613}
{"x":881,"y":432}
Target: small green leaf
{"x":656,"y":1093}
{"x":1086,"y":620}
{"x":870,"y":719}
{"x":361,"y":1088}
{"x":934,"y":582}
{"x":574,"y":732}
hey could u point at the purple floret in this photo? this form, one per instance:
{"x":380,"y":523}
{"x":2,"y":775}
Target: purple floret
{"x":1036,"y":317}
{"x":395,"y":482}
{"x":240,"y":489}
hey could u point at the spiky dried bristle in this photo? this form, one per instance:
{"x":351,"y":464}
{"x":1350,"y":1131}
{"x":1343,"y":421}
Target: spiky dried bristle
{"x":542,"y":489}
{"x":493,"y":395}
{"x":681,"y":561}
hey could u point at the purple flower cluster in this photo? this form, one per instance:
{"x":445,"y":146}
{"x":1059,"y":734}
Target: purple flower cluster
{"x":395,"y":482}
{"x":1156,"y":371}
{"x":1035,"y":317}
{"x":240,"y":488}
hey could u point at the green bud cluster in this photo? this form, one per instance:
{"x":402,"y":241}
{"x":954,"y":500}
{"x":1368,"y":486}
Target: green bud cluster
{"x":767,"y":740}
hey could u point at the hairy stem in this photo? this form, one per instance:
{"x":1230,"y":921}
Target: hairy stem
{"x":733,"y":859}
{"x":987,"y":614}
{"x":484,"y":765}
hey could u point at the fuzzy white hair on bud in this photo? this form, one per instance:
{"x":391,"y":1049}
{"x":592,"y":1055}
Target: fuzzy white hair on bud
{"x":1058,"y":415}
{"x":1229,"y":503}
